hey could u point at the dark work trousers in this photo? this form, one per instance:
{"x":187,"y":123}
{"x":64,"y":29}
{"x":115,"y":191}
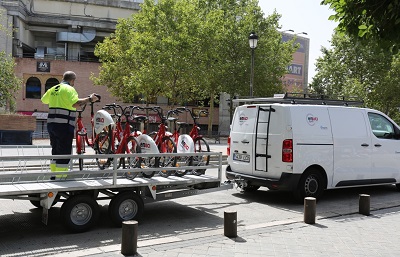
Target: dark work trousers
{"x":61,"y":136}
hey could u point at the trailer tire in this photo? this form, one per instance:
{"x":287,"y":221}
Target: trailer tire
{"x":126,"y":205}
{"x":79,"y":213}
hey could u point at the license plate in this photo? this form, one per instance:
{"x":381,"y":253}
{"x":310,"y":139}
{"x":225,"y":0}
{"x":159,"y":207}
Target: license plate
{"x":241,"y":157}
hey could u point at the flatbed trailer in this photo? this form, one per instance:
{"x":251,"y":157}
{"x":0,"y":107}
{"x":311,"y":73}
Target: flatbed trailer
{"x":27,"y":177}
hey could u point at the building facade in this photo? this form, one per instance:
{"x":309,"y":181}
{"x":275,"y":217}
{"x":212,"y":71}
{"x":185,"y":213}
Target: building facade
{"x":48,"y":37}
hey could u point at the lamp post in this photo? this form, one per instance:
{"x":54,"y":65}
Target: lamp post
{"x":253,"y":39}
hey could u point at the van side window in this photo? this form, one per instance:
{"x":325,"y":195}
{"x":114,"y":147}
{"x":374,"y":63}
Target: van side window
{"x":381,"y":127}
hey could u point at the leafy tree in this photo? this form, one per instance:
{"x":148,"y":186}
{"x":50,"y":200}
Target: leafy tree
{"x":367,"y":71}
{"x":192,"y":49}
{"x":9,"y":83}
{"x":368,"y":19}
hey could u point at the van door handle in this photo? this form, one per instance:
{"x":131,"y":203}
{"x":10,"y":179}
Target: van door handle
{"x":365,"y":145}
{"x":245,"y":141}
{"x":377,"y":145}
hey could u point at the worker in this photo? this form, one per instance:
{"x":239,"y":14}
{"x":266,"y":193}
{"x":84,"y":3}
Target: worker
{"x":63,"y":101}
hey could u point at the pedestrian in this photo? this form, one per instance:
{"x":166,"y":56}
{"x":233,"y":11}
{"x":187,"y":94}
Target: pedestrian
{"x":63,"y":101}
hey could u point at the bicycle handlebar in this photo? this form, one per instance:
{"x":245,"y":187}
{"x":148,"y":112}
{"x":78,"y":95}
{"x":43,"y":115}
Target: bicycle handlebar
{"x":83,"y":106}
{"x":98,"y":98}
{"x":134,"y":107}
{"x":113,"y":107}
{"x":194,"y":117}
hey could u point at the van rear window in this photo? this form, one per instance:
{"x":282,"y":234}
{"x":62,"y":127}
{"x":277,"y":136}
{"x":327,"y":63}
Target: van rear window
{"x":244,"y":119}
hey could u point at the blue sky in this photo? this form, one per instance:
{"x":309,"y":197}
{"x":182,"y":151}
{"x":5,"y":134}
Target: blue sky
{"x":304,"y":16}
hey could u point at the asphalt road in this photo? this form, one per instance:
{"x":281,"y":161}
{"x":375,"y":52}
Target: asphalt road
{"x":22,"y":231}
{"x":23,"y":234}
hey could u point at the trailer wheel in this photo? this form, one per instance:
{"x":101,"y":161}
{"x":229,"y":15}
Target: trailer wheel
{"x":311,"y":184}
{"x":124,"y":206}
{"x":79,"y":213}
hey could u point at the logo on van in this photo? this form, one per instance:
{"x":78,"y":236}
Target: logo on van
{"x":311,"y":119}
{"x":242,"y":119}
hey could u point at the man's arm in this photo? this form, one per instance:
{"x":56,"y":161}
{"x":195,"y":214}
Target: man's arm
{"x":86,"y":100}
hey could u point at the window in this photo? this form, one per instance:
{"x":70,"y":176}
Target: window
{"x":50,"y":83}
{"x":33,"y":88}
{"x":381,"y":127}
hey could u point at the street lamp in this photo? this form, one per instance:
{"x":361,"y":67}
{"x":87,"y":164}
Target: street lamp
{"x":253,"y":39}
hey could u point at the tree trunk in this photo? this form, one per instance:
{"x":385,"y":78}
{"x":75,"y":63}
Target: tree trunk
{"x":210,"y":115}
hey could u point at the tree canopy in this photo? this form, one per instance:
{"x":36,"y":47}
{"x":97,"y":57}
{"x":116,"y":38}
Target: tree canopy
{"x":9,"y":83}
{"x":366,"y":71}
{"x":368,"y":19}
{"x":192,"y":49}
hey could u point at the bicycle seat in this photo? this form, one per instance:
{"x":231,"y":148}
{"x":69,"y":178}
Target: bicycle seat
{"x":182,"y":124}
{"x":140,"y":118}
{"x":172,"y":119}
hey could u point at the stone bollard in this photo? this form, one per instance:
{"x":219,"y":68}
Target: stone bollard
{"x":230,"y":224}
{"x":310,"y":207}
{"x":129,"y":237}
{"x":364,"y":204}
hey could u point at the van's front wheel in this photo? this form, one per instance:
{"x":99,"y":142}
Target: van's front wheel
{"x":311,"y":184}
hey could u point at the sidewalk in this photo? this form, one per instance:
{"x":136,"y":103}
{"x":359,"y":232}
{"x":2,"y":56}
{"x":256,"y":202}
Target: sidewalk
{"x":348,"y":235}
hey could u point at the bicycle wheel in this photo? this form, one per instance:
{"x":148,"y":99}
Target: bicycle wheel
{"x":167,"y":146}
{"x":103,"y":146}
{"x":200,"y":146}
{"x":183,"y":161}
{"x":80,"y":148}
{"x":133,"y":147}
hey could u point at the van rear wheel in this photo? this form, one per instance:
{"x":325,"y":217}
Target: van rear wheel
{"x":311,"y":184}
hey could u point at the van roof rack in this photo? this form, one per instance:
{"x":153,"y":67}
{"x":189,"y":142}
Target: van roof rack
{"x":300,"y":98}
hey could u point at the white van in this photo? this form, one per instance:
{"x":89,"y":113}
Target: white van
{"x":309,"y":145}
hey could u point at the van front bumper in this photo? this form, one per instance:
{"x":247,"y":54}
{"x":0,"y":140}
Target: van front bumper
{"x":287,"y":181}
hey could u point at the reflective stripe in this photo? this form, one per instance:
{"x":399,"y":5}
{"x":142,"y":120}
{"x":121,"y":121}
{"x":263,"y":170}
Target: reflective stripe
{"x":59,"y":115}
{"x":62,"y":111}
{"x":61,"y":120}
{"x":59,"y":168}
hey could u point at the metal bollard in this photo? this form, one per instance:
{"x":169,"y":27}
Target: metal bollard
{"x":310,"y":208}
{"x":364,"y":204}
{"x":129,"y":237}
{"x":230,"y":224}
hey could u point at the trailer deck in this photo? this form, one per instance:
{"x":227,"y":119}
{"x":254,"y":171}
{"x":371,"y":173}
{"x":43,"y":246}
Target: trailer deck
{"x":25,"y":175}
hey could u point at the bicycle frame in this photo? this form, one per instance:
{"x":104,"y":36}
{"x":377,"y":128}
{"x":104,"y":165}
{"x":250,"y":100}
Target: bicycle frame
{"x":164,"y":143}
{"x":162,"y":129}
{"x":121,"y":134}
{"x":200,"y":144}
{"x":194,"y":132}
{"x":124,"y":137}
{"x":81,"y":136}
